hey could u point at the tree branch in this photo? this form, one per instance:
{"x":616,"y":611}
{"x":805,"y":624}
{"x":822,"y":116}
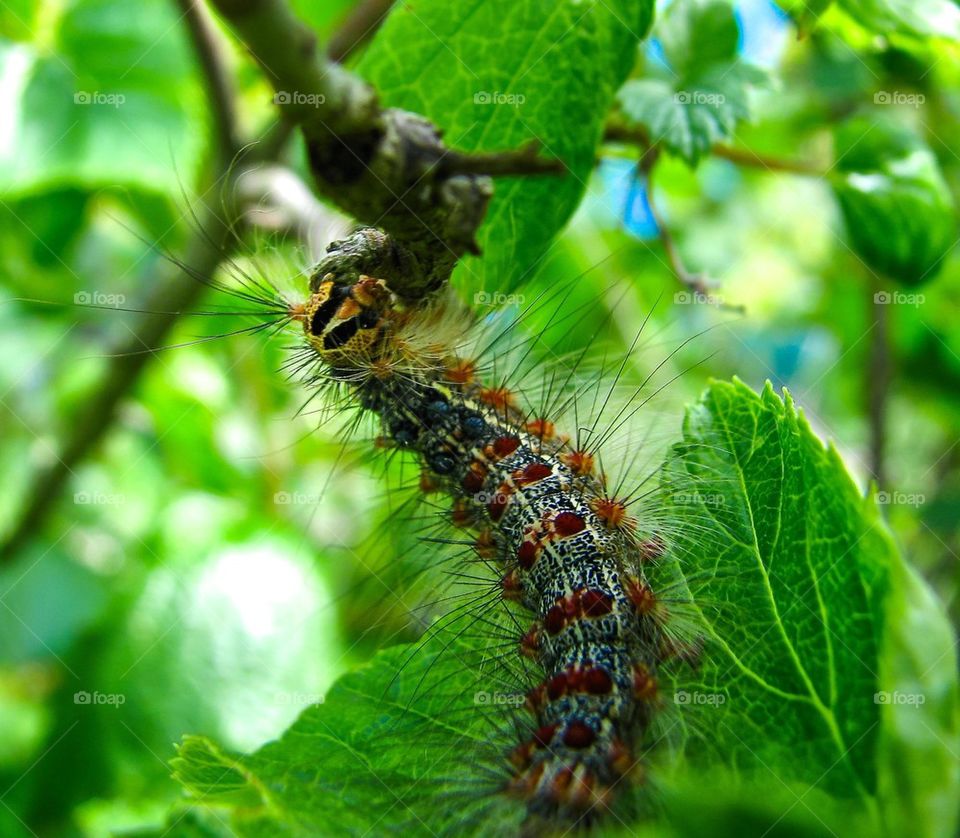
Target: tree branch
{"x":176,"y":291}
{"x":385,"y":167}
{"x":358,"y":27}
{"x":619,"y":132}
{"x":216,"y":77}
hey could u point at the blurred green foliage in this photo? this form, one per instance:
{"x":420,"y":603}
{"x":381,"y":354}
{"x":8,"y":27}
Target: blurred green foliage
{"x":218,"y":560}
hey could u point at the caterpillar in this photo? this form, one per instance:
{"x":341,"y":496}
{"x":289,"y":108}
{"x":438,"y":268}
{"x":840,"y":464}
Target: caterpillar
{"x":570,"y":553}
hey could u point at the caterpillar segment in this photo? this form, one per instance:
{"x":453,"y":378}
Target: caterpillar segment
{"x":569,"y":553}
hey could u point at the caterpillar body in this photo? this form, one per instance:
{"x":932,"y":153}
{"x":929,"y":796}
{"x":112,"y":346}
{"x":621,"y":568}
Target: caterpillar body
{"x":569,"y":554}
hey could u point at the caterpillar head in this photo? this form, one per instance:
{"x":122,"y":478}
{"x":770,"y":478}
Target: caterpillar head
{"x":343,"y":323}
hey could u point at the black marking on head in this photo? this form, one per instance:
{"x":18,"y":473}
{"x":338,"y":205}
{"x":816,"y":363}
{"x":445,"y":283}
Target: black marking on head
{"x":322,"y":316}
{"x":341,"y":333}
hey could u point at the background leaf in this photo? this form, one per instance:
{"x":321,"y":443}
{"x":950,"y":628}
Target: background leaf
{"x":896,"y":204}
{"x":702,"y":94}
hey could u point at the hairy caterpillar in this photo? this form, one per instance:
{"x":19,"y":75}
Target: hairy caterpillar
{"x":569,"y":552}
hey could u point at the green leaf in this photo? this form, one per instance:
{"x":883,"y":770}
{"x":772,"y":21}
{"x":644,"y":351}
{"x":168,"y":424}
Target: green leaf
{"x":824,"y":645}
{"x":497,"y":74}
{"x":383,"y":749}
{"x":809,"y":616}
{"x":897,"y":207}
{"x":919,"y":18}
{"x":112,"y":101}
{"x":706,"y":95}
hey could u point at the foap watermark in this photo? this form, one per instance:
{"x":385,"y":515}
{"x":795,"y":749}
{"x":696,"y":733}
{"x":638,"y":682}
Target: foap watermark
{"x":97,"y":697}
{"x":697,"y":499}
{"x":294,"y":498}
{"x":98,"y":498}
{"x":500,"y":699}
{"x":689,"y":298}
{"x":96,"y":97}
{"x":497,"y":298}
{"x":898,"y":298}
{"x":914,"y":499}
{"x":488,"y":498}
{"x":98,"y":298}
{"x":296,"y":97}
{"x":297,"y":699}
{"x":898,"y":97}
{"x":896,"y":697}
{"x":484,"y":97}
{"x":697,"y":698}
{"x":699,"y":97}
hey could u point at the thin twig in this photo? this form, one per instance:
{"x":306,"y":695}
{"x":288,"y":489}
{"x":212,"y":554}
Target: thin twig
{"x":215,"y":74}
{"x":697,"y":283}
{"x":619,"y":132}
{"x":358,"y":27}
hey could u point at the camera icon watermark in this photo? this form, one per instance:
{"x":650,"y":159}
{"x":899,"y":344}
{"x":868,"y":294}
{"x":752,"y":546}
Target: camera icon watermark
{"x":98,"y":299}
{"x":914,"y":499}
{"x":99,"y":698}
{"x":498,"y":699}
{"x":295,"y":97}
{"x":296,"y":498}
{"x":699,"y":97}
{"x":899,"y":698}
{"x":898,"y":97}
{"x":689,"y":298}
{"x":98,"y":499}
{"x":95,"y":97}
{"x":483,"y":97}
{"x":683,"y":697}
{"x":496,"y":298}
{"x":898,"y":298}
{"x":298,"y":699}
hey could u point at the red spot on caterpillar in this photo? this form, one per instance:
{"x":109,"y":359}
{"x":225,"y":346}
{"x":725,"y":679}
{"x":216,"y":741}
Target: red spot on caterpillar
{"x":504,"y":446}
{"x":527,"y":554}
{"x":485,"y":545}
{"x":555,"y":620}
{"x":641,"y":595}
{"x":530,"y":643}
{"x":500,"y":399}
{"x":461,"y":514}
{"x":543,"y":736}
{"x":583,"y":602}
{"x":644,"y":683}
{"x":557,"y":686}
{"x":461,"y":372}
{"x":613,"y":513}
{"x":595,"y":603}
{"x":597,"y":681}
{"x":543,"y":429}
{"x":428,"y":483}
{"x":568,"y":523}
{"x":579,"y":462}
{"x":512,"y":586}
{"x":532,"y":473}
{"x":473,"y":481}
{"x":579,"y":735}
{"x":498,"y":505}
